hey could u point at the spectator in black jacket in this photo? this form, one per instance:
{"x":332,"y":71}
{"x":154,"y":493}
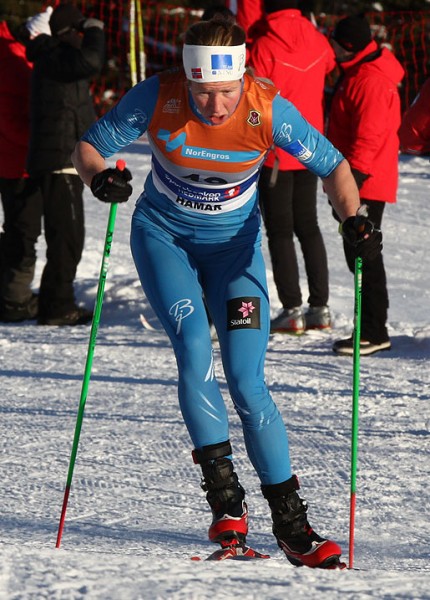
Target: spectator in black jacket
{"x":61,"y":109}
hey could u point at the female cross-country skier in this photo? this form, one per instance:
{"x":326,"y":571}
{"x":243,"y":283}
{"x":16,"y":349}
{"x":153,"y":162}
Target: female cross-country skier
{"x":196,"y":233}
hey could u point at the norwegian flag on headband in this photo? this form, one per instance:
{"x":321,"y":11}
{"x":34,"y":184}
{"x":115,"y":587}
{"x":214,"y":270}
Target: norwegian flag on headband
{"x":196,"y":73}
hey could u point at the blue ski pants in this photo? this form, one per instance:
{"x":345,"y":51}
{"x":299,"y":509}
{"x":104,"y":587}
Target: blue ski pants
{"x":179,"y":264}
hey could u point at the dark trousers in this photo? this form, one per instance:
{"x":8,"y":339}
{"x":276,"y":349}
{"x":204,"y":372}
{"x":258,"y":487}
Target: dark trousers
{"x":57,"y":198}
{"x":21,"y":228}
{"x":374,"y":298}
{"x":290,"y":208}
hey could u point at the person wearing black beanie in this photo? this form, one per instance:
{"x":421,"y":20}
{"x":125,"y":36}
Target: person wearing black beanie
{"x":64,"y":18}
{"x":352,"y":34}
{"x":363,"y":124}
{"x":271,"y":6}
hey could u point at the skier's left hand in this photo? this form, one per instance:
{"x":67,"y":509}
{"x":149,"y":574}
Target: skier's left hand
{"x":362,"y":235}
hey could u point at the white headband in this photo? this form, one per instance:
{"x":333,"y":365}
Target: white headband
{"x":205,"y":64}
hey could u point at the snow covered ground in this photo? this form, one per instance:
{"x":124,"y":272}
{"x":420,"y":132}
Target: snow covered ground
{"x":136,"y":513}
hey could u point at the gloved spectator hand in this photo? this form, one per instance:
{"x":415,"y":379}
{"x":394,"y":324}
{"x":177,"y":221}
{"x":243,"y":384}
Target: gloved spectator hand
{"x":359,"y":177}
{"x":87,"y":23}
{"x":39,"y":23}
{"x":111,"y":185}
{"x":362,"y":235}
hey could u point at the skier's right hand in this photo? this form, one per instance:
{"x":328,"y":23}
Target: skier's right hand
{"x":111,"y":185}
{"x":360,"y":233}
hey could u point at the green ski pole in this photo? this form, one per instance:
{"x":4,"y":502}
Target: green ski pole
{"x":355,"y":402}
{"x":120,"y":165}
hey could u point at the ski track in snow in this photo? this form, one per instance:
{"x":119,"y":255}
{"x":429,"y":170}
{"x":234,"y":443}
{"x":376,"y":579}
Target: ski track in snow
{"x":136,"y":513}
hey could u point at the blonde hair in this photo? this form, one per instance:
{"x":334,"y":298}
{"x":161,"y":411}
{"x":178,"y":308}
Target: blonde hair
{"x":218,"y":31}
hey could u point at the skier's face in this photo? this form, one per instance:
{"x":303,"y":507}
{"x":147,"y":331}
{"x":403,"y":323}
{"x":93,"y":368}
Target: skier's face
{"x":216,"y":101}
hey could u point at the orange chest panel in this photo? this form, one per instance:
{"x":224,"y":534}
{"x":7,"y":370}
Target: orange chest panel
{"x":237,"y":146}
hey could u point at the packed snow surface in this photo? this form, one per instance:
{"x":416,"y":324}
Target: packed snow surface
{"x":136,"y":513}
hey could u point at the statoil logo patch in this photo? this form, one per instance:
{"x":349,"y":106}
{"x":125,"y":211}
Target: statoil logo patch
{"x":243,"y":313}
{"x":254,"y":118}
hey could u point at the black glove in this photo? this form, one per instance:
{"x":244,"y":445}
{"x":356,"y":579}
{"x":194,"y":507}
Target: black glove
{"x":362,"y":235}
{"x":111,"y":185}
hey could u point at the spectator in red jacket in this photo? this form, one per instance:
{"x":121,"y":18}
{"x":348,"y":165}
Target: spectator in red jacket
{"x":248,"y":13}
{"x":364,"y":121}
{"x":17,"y":302}
{"x":296,"y":58}
{"x":414,"y":132}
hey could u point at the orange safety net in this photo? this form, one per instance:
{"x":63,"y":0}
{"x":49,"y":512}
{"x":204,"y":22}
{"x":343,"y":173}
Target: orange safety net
{"x":156,"y":42}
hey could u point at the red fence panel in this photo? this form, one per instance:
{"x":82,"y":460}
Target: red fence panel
{"x":407,"y":33}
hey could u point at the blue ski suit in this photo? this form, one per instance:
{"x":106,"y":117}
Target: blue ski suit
{"x":196,"y":232}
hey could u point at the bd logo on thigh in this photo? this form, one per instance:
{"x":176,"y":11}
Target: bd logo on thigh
{"x":243,"y":313}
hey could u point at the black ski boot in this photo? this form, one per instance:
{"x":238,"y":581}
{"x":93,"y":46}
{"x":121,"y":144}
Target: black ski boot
{"x":300,"y":543}
{"x":225,"y":495}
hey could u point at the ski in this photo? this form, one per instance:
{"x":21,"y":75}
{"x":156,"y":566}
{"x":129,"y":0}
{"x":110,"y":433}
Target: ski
{"x":146,"y":324}
{"x":242,"y":552}
{"x":330,"y":563}
{"x":234,"y":552}
{"x":333,"y":564}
